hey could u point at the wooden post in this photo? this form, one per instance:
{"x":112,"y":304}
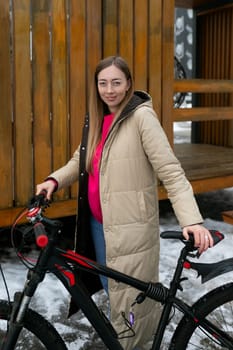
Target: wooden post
{"x":6,"y":135}
{"x":168,"y":67}
{"x":22,"y":103}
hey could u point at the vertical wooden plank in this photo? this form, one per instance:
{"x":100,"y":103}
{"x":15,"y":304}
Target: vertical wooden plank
{"x":203,"y":67}
{"x":94,"y":37}
{"x":110,"y":24}
{"x":60,"y":122}
{"x":23,"y":124}
{"x":167,"y":68}
{"x":154,"y":54}
{"x":230,"y":40}
{"x":41,"y":89}
{"x":6,"y":167}
{"x":206,"y":68}
{"x":141,"y":44}
{"x":215,"y":61}
{"x":228,"y":100}
{"x":126,"y":33}
{"x":78,"y":68}
{"x":222,"y":46}
{"x":226,"y":18}
{"x":217,"y":70}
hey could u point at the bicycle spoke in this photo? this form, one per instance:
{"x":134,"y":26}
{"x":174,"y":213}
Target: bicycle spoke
{"x":216,"y":307}
{"x":222,"y":318}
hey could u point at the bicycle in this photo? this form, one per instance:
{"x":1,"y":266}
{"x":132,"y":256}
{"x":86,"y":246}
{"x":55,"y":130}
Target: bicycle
{"x":202,"y":325}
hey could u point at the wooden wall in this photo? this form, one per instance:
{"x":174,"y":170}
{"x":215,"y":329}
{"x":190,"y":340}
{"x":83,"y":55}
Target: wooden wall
{"x":215,"y":52}
{"x":48,"y":52}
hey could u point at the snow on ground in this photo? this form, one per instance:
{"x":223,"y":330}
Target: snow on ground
{"x":182,"y":132}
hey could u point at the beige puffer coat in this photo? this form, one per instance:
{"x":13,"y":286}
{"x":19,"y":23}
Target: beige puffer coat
{"x":135,"y":154}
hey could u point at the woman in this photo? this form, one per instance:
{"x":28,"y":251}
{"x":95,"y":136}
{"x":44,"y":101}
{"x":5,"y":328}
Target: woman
{"x":123,"y":152}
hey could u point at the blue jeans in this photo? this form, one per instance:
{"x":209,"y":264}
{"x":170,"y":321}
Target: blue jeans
{"x":100,"y":248}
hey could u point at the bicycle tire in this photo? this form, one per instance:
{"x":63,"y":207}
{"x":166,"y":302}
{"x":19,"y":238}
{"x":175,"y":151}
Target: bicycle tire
{"x":37,"y":332}
{"x":217,"y":306}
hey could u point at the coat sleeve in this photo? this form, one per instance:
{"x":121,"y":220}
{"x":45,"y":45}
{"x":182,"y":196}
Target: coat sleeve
{"x":168,"y":168}
{"x":69,"y":173}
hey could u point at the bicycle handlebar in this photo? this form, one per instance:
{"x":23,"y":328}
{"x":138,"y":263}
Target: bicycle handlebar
{"x":40,"y":202}
{"x":36,"y":205}
{"x":216,"y":235}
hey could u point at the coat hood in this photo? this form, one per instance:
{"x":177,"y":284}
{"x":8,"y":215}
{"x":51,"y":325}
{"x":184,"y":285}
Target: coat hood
{"x":138,"y":98}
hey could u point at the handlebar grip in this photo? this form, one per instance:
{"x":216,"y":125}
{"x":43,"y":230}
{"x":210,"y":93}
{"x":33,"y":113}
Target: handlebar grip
{"x":42,"y":194}
{"x":40,"y":235}
{"x":216,"y":235}
{"x":38,"y":200}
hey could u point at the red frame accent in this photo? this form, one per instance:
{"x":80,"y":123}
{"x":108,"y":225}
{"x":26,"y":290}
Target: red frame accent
{"x":33,"y":212}
{"x":78,"y":258}
{"x":68,"y":274}
{"x":187,"y":265}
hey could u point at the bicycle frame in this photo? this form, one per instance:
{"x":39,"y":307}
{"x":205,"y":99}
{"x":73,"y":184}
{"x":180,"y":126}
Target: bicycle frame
{"x":65,"y":266}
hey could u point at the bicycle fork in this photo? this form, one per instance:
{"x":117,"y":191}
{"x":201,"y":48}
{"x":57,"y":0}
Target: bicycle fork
{"x":20,"y":306}
{"x":15,"y":326}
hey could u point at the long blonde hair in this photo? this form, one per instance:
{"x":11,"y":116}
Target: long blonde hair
{"x":97,"y":108}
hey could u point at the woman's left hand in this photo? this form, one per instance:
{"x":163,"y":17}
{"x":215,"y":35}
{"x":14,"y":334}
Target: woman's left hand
{"x":202,"y":237}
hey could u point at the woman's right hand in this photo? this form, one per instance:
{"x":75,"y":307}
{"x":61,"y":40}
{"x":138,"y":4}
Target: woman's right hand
{"x":48,"y":186}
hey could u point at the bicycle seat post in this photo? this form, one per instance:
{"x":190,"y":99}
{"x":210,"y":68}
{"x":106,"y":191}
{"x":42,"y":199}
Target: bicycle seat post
{"x":175,"y":282}
{"x":174,"y":286}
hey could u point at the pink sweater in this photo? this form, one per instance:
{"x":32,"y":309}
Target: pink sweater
{"x":93,"y":180}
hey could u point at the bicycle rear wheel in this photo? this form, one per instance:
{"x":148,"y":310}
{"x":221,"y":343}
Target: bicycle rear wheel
{"x":37,"y":333}
{"x":217,"y":307}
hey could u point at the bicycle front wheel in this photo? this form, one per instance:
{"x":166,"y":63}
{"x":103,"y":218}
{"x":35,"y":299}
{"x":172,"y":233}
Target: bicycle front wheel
{"x":217,"y":307}
{"x":37,"y":333}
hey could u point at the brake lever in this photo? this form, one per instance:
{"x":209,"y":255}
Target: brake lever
{"x":39,"y":200}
